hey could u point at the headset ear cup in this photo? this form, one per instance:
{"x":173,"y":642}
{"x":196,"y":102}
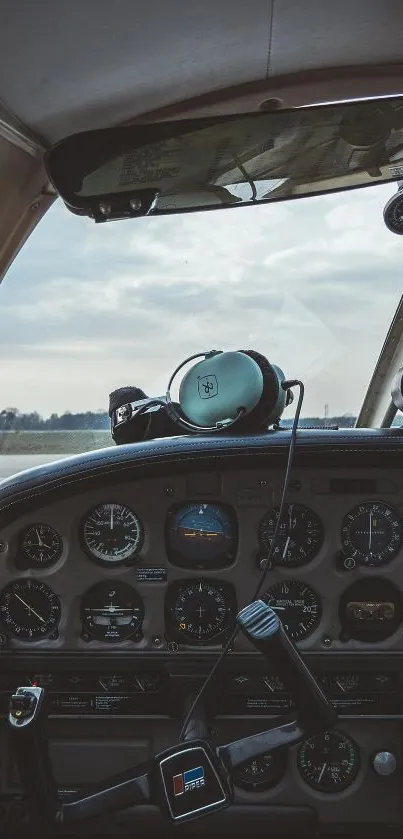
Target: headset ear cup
{"x":257,"y":419}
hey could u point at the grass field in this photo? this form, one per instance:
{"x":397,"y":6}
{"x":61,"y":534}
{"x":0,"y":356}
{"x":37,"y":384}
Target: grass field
{"x":53,"y":442}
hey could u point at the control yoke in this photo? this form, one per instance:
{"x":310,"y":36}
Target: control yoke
{"x":190,"y":779}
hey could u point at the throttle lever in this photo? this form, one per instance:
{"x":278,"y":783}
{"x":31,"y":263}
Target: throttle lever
{"x":264,"y":629}
{"x":261,"y":625}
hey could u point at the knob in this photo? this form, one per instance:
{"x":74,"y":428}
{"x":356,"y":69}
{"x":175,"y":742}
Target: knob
{"x":384,"y":763}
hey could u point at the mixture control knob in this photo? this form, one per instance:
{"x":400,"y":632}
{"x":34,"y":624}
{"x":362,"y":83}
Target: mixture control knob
{"x":384,"y":763}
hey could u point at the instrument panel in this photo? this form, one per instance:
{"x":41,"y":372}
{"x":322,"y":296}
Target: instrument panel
{"x":117,"y":598}
{"x":154,"y":565}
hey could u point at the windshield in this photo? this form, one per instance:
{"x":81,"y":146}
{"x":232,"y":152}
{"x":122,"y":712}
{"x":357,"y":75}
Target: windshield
{"x":312,"y":284}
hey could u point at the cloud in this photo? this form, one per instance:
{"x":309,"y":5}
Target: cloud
{"x":312,"y":284}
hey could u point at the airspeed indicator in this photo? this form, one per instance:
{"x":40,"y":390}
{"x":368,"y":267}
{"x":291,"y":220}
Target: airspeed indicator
{"x":112,"y":533}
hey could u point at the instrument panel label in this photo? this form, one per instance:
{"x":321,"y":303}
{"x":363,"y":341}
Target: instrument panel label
{"x":151,"y":574}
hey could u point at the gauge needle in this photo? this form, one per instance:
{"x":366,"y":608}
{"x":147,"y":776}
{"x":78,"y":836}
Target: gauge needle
{"x":321,"y":772}
{"x":137,"y":680}
{"x":111,"y":518}
{"x":370,"y":531}
{"x":278,"y":608}
{"x":340,"y":685}
{"x":30,"y":609}
{"x":286,"y":546}
{"x":40,"y":543}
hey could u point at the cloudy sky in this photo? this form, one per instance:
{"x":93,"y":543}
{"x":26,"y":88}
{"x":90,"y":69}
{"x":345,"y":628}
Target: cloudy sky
{"x":312,"y":284}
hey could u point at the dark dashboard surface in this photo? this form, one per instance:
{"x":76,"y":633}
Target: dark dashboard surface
{"x":121,"y":573}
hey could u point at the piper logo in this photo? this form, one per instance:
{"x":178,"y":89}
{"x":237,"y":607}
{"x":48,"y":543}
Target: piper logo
{"x":187,"y":781}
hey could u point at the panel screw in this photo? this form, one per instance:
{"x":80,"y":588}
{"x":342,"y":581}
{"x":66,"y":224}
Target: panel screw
{"x":263,"y":483}
{"x":3,"y":640}
{"x":157,"y":641}
{"x":169,"y":491}
{"x":85,"y":636}
{"x":173,"y":647}
{"x":349,"y":563}
{"x":3,"y":547}
{"x":327,"y":642}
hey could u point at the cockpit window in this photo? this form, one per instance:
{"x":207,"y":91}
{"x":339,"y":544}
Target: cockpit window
{"x":312,"y":284}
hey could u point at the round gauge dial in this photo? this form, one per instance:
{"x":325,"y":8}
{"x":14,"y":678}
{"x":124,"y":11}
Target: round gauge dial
{"x":297,"y":606}
{"x":200,"y":610}
{"x":299,"y":538}
{"x":40,"y":546}
{"x":371,"y":610}
{"x":112,"y":533}
{"x":111,"y":612}
{"x":393,"y":213}
{"x":201,"y":536}
{"x":328,"y":762}
{"x":372,"y":533}
{"x":29,"y":610}
{"x":262,"y":772}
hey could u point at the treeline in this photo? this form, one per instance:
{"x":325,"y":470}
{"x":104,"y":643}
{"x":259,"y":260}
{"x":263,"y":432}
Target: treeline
{"x":11,"y":419}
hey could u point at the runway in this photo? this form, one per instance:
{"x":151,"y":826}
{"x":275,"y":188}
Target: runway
{"x":12,"y":463}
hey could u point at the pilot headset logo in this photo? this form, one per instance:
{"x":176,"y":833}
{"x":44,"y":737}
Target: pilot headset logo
{"x":207,"y":386}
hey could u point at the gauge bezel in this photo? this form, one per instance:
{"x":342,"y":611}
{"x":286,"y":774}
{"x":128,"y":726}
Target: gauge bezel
{"x":273,"y":777}
{"x":23,"y":561}
{"x":171,"y":630}
{"x":223,"y":560}
{"x":55,"y":608}
{"x":300,"y":584}
{"x":111,"y":563}
{"x":92,"y":631}
{"x":349,"y":550}
{"x":338,"y":787}
{"x":317,"y":548}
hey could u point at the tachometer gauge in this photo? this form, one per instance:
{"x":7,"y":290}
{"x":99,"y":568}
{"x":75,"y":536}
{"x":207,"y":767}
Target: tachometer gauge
{"x":29,"y":610}
{"x":200,"y":610}
{"x":201,"y":536}
{"x":262,"y":772}
{"x":372,"y":533}
{"x":328,"y":762}
{"x":112,"y":534}
{"x":299,"y":539}
{"x":111,"y":612}
{"x":297,"y":606}
{"x":40,"y":546}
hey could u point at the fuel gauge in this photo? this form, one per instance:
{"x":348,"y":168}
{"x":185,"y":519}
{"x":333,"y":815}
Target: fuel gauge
{"x":341,"y":682}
